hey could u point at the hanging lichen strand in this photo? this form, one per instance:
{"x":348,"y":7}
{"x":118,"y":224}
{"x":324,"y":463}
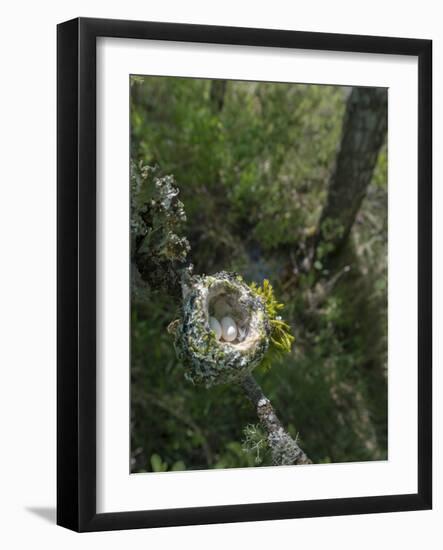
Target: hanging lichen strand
{"x":226,"y":328}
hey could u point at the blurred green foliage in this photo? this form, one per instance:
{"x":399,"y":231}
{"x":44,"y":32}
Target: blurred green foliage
{"x":253,"y":176}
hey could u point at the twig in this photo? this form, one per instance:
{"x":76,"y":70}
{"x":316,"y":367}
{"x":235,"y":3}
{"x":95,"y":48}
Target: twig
{"x":285,"y":450}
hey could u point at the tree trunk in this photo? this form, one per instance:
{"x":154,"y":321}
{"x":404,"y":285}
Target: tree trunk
{"x":217,"y":95}
{"x":364,"y":132}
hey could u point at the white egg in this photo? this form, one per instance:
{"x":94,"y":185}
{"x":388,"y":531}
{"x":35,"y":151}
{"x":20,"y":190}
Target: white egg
{"x":215,"y":327}
{"x":229,"y":329}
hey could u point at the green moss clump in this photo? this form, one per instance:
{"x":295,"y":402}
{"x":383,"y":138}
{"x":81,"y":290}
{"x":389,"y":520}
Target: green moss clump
{"x":281,"y":339}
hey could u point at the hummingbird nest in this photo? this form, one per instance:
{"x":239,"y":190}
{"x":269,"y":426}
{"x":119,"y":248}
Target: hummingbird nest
{"x":216,"y":356}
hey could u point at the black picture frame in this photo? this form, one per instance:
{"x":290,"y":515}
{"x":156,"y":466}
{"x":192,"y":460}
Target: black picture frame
{"x":76,"y":267}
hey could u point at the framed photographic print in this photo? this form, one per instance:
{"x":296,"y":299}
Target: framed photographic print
{"x":244,"y":274}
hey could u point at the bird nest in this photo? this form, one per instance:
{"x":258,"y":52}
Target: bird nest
{"x":224,"y":332}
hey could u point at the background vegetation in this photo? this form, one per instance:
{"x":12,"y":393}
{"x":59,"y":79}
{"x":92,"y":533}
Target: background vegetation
{"x":253,"y":162}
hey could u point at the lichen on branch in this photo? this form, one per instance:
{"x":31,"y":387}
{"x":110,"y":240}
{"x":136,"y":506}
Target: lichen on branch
{"x":158,"y":247}
{"x":285,"y":449}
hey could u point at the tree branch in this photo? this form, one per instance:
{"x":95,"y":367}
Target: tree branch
{"x":159,"y":253}
{"x":285,"y":450}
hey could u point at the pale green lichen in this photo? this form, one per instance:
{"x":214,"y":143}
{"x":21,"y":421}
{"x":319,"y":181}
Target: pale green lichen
{"x":206,"y":360}
{"x":254,"y":442}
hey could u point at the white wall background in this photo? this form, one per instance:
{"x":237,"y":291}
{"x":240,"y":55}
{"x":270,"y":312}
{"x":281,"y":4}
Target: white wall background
{"x":27,"y":289}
